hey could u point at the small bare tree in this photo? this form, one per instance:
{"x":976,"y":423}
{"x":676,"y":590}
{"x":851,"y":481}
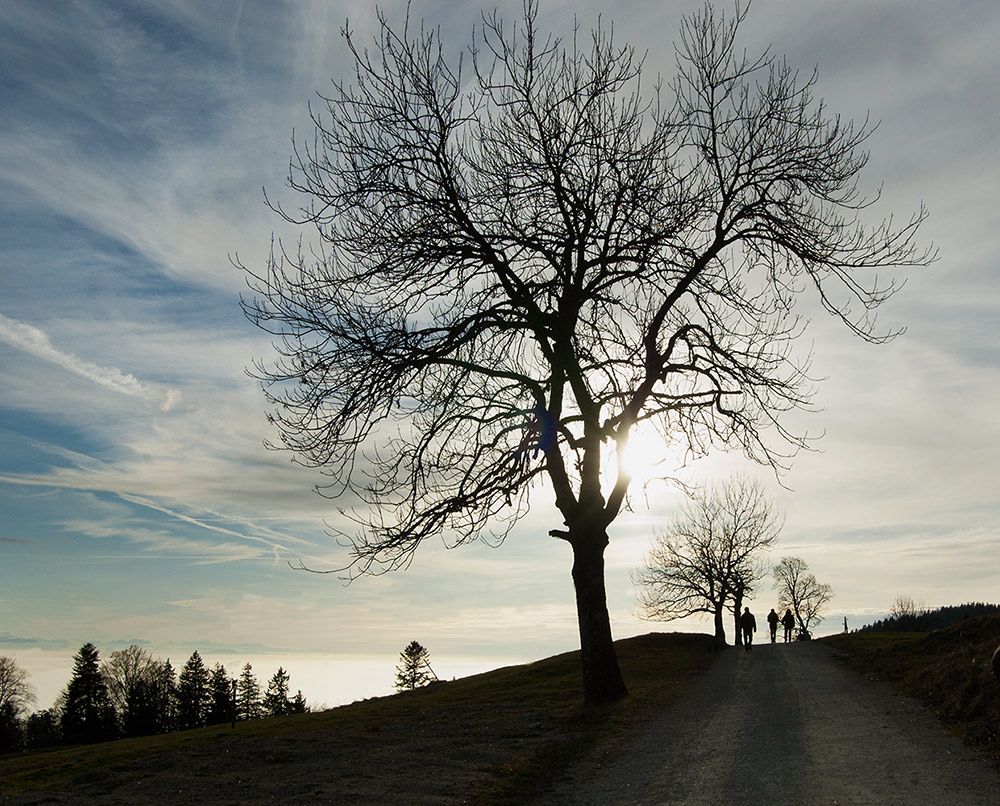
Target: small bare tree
{"x":710,"y":556}
{"x":523,"y":255}
{"x":799,"y":591}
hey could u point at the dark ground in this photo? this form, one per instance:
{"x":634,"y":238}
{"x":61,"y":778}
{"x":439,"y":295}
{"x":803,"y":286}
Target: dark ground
{"x":787,"y":725}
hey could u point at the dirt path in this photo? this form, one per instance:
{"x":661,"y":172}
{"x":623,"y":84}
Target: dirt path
{"x":788,"y":725}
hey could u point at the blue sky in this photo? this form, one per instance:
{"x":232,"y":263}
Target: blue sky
{"x":136,"y":499}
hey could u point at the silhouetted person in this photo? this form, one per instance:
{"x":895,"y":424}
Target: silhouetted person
{"x":772,"y":622}
{"x":788,"y":621}
{"x":749,"y":626}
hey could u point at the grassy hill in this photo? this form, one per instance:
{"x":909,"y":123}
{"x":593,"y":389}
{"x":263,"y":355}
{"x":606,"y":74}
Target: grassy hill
{"x":491,"y":738}
{"x":494,"y":738}
{"x":949,"y":670}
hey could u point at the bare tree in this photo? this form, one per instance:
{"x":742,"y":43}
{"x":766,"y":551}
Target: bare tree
{"x":523,"y":255}
{"x":709,"y":557}
{"x":799,"y":591}
{"x":124,"y":671}
{"x":16,"y":693}
{"x":906,"y":612}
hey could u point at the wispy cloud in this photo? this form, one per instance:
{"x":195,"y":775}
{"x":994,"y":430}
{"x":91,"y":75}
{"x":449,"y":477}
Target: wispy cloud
{"x":36,"y":342}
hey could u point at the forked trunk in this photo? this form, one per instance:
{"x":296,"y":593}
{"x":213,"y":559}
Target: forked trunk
{"x":602,"y":677}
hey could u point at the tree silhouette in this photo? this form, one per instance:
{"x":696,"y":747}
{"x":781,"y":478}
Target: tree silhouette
{"x":43,"y":729}
{"x":16,"y":692}
{"x":248,"y":704}
{"x":88,"y":714}
{"x":709,"y":558}
{"x":799,"y":591}
{"x":414,"y":668}
{"x":221,"y":705}
{"x":165,"y":694}
{"x":135,"y":680}
{"x":276,"y":702}
{"x":523,"y":256}
{"x":194,"y":695}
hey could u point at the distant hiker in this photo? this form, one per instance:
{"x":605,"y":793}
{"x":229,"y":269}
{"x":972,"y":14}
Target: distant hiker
{"x":788,"y":621}
{"x":772,"y":622}
{"x":749,"y":626}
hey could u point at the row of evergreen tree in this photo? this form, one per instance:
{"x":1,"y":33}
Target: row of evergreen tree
{"x":134,"y":694}
{"x":912,"y":619}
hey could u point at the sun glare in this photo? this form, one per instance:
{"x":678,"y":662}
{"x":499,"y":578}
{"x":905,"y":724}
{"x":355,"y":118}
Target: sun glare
{"x":648,"y":456}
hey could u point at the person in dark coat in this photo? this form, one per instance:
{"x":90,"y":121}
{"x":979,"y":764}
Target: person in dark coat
{"x":772,"y":622}
{"x":748,"y":624}
{"x":788,"y":621}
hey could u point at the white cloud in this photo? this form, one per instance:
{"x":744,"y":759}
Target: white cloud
{"x":34,"y":341}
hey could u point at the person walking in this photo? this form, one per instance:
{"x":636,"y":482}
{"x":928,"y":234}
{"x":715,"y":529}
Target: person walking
{"x":788,"y":621}
{"x":772,"y":623}
{"x":748,"y":624}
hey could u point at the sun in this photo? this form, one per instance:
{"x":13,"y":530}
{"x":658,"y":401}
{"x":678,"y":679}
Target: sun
{"x":648,"y":456}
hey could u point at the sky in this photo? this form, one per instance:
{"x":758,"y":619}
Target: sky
{"x":137,"y":501}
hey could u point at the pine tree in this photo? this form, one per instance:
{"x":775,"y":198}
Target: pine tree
{"x":299,"y":704}
{"x":88,"y":714}
{"x":222,"y":705}
{"x":165,"y":694}
{"x":193,"y":693}
{"x":248,"y":705}
{"x":276,"y":701}
{"x":414,"y":669}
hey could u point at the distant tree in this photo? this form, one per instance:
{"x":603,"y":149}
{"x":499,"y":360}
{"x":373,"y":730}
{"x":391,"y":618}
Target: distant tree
{"x":906,"y":612}
{"x":222,"y":706}
{"x":122,"y":669}
{"x":165,"y":694}
{"x":799,"y":591}
{"x":928,"y":620}
{"x":88,"y":713}
{"x":248,"y":702}
{"x":131,"y":678}
{"x":143,"y":706}
{"x":299,"y":705}
{"x":16,"y":693}
{"x":12,"y":730}
{"x":414,"y":669}
{"x":710,"y":556}
{"x":42,"y":729}
{"x":193,"y":693}
{"x":524,"y":261}
{"x":276,"y":702}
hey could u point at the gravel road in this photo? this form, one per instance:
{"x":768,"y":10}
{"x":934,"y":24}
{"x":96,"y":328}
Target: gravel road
{"x":788,"y":725}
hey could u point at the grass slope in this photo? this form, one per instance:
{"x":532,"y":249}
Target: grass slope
{"x":949,"y":670}
{"x":495,"y":737}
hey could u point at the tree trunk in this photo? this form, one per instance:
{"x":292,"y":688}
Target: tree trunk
{"x":720,"y":627}
{"x":602,"y":677}
{"x":737,"y":611}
